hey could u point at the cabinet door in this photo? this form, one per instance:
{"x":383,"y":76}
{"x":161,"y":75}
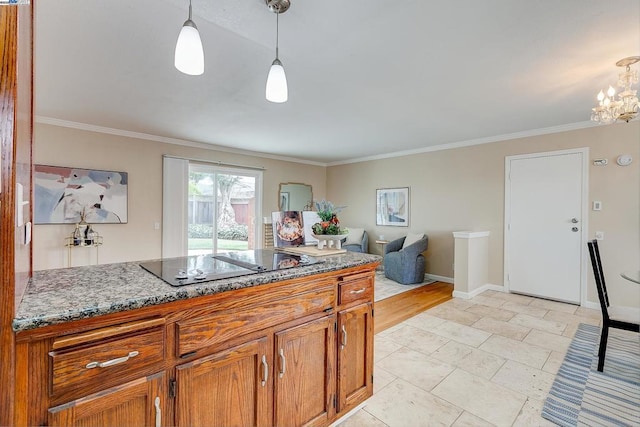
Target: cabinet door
{"x":229,"y":388}
{"x":355,"y":356}
{"x":140,"y":402}
{"x":304,"y":374}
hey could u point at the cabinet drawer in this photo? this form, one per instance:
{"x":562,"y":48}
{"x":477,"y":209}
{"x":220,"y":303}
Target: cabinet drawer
{"x":218,"y":327}
{"x":99,"y":365}
{"x":355,"y":288}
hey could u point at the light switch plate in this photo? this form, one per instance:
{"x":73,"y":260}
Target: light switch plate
{"x":597,"y":205}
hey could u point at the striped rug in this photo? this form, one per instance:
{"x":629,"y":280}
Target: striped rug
{"x":580,"y":395}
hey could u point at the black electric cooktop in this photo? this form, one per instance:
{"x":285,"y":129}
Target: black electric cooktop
{"x":205,"y":268}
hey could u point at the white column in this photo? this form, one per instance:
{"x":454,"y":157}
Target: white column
{"x":471,"y":263}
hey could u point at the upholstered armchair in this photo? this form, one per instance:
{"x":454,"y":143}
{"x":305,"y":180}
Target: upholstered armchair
{"x":405,"y":263}
{"x":356,"y":241}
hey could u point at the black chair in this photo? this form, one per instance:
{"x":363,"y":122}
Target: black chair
{"x":610,"y":318}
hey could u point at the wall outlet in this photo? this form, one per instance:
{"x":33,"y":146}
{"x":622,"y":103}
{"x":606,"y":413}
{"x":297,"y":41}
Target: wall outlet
{"x":597,"y":205}
{"x":156,"y":226}
{"x":599,"y":235}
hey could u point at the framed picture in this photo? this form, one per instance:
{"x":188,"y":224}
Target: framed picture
{"x":284,"y":201}
{"x":392,"y":206}
{"x":63,"y":195}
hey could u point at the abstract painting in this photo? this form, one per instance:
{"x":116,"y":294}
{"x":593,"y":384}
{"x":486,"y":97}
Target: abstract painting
{"x":63,"y":195}
{"x":392,"y":206}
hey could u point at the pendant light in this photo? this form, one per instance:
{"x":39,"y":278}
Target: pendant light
{"x":189,"y":56}
{"x":276,"y":90}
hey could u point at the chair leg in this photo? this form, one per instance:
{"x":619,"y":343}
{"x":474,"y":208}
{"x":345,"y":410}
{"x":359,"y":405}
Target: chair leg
{"x":603,"y":347}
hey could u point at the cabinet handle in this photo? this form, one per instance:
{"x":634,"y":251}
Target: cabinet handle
{"x":112,"y":362}
{"x":265,"y":370}
{"x":344,"y":336}
{"x":158,"y":412}
{"x":359,"y":291}
{"x":283,"y":363}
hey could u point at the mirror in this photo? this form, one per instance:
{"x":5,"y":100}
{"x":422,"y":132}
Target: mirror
{"x":293,"y":196}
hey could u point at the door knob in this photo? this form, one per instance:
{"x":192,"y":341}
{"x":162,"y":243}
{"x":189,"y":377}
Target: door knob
{"x":574,"y":229}
{"x":574,"y":220}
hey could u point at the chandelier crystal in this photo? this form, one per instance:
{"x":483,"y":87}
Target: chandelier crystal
{"x":625,"y":108}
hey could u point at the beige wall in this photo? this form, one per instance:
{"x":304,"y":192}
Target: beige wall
{"x":463,"y":189}
{"x":142,"y":159}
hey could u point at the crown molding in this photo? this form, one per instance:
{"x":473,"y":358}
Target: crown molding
{"x":193,"y":144}
{"x":470,"y":142}
{"x":166,"y":140}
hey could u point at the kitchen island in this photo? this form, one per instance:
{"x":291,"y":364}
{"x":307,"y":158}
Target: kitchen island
{"x":116,"y":345}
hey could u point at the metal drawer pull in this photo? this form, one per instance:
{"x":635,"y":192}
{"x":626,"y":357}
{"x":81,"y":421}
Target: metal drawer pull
{"x":344,"y":336}
{"x":112,"y":361}
{"x":283,"y":363}
{"x":158,"y":412}
{"x":265,"y":369}
{"x":359,"y":291}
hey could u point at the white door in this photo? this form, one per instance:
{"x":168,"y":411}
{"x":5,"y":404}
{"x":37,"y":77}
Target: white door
{"x":544,"y":238}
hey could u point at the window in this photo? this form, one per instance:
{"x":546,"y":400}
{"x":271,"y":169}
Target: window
{"x":209,"y":208}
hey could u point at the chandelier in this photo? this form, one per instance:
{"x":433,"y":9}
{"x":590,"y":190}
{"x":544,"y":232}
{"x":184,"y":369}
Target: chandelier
{"x":625,"y":108}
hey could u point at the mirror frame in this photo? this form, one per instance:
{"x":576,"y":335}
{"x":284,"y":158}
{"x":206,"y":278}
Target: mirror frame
{"x":295,"y":183}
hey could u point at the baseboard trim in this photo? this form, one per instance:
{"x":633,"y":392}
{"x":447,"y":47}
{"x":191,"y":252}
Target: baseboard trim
{"x":475,"y":292}
{"x":439,"y":278}
{"x":626,"y":311}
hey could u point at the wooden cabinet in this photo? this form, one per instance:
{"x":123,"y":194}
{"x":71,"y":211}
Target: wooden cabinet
{"x":137,"y":403}
{"x":305,"y":374}
{"x":229,"y":388}
{"x":292,"y":353}
{"x":355,"y":355}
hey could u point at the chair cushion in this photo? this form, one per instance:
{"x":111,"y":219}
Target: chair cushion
{"x":354,"y":237}
{"x":411,"y":239}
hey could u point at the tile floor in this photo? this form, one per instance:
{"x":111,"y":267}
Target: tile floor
{"x":481,"y":362}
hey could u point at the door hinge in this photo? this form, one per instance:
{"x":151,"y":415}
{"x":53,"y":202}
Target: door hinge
{"x":172,"y":388}
{"x":334,"y":400}
{"x":371,"y":378}
{"x":335,"y":327}
{"x":372,"y":312}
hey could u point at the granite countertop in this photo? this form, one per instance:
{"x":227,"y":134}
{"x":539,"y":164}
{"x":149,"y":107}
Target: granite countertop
{"x":67,"y":294}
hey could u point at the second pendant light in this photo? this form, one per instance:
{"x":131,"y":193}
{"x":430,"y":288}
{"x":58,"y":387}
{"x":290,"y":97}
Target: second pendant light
{"x":276,"y":90}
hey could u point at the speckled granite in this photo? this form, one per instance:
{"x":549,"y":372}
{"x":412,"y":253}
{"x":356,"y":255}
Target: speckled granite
{"x":63,"y":295}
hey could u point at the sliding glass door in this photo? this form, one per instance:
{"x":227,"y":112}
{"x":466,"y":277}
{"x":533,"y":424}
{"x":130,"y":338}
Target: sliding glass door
{"x":223,"y":207}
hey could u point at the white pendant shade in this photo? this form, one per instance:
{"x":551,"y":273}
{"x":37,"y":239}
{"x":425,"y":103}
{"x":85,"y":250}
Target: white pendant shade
{"x":189,"y":57}
{"x":276,"y":90}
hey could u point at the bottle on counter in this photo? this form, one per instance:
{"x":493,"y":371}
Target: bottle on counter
{"x":77,"y":236}
{"x":90,"y":236}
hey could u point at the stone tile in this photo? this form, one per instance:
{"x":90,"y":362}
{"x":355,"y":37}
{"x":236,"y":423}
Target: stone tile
{"x":403,"y":404}
{"x":490,"y":301}
{"x":383,"y":346}
{"x":470,"y":359}
{"x":508,"y":296}
{"x":536,"y":323}
{"x":547,"y":340}
{"x":554,"y":305}
{"x":417,"y":339}
{"x":455,"y":315}
{"x":493,"y":312}
{"x":481,"y":363}
{"x":362,"y":419}
{"x":589,"y":312}
{"x":554,"y":361}
{"x":524,"y":309}
{"x":424,"y":321}
{"x":390,"y":330}
{"x":530,"y":415}
{"x":461,"y":333}
{"x":561,"y":316}
{"x":570,"y":330}
{"x":482,"y":398}
{"x":524,"y":379}
{"x":452,"y":352}
{"x":518,"y":351}
{"x":499,"y":327}
{"x":467,"y":419}
{"x":459,"y":303}
{"x":381,"y":378}
{"x":416,"y":368}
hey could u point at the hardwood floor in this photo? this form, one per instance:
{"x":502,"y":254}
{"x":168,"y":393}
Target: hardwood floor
{"x":395,"y":309}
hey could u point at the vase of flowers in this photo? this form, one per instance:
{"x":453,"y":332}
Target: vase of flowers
{"x":328,"y":230}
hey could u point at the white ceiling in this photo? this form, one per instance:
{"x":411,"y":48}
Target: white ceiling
{"x":366,"y":78}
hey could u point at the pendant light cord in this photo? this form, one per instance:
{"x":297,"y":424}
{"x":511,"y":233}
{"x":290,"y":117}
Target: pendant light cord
{"x":189,"y":10}
{"x":277,"y":30}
